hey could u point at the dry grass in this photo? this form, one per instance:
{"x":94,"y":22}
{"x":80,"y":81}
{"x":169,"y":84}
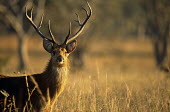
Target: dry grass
{"x":119,"y":76}
{"x":123,"y":92}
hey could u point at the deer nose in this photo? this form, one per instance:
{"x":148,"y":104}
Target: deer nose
{"x":60,"y":59}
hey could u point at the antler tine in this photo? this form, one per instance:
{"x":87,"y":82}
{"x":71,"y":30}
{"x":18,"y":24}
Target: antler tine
{"x":88,"y":15}
{"x":32,"y":11}
{"x":89,"y":9}
{"x":85,"y":10}
{"x":69,"y":32}
{"x":78,"y":19}
{"x":51,"y":34}
{"x":30,"y":18}
{"x":42,"y":17}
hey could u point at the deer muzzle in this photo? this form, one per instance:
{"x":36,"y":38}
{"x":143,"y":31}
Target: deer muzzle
{"x":60,"y":59}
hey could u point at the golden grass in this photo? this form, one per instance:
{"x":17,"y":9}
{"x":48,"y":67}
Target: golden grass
{"x":119,"y":76}
{"x":122,"y":92}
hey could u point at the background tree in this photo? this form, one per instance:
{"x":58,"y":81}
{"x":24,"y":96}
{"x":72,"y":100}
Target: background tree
{"x":157,"y":17}
{"x":12,"y":14}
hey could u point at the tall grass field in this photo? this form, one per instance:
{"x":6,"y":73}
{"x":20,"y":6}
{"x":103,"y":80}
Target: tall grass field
{"x":119,"y":76}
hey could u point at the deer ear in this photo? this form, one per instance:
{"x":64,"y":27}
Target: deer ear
{"x":47,"y":45}
{"x":70,"y":47}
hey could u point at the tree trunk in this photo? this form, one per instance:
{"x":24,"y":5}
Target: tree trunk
{"x":22,"y":53}
{"x":160,"y":52}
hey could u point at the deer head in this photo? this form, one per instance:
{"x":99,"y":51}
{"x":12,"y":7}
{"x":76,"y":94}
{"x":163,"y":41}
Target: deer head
{"x":59,"y":53}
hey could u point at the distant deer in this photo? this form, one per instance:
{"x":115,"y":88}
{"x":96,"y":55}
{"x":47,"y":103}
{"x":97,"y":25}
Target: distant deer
{"x":38,"y":92}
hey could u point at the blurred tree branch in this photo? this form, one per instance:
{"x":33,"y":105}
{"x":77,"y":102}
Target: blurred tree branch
{"x":13,"y":14}
{"x":157,"y":16}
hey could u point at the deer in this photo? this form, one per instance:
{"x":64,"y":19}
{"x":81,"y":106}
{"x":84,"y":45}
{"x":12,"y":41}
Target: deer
{"x":39,"y":92}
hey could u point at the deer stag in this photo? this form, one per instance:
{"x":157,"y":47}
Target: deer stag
{"x":38,"y":92}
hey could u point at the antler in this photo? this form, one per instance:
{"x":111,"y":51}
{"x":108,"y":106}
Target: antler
{"x":69,"y":32}
{"x":30,"y":18}
{"x":88,"y":14}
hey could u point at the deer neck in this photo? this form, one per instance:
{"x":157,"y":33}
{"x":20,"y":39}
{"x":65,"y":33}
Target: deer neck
{"x":53,"y":79}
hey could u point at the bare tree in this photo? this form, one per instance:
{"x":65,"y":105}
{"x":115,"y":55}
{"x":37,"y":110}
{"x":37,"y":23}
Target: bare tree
{"x":157,"y":15}
{"x":12,"y":14}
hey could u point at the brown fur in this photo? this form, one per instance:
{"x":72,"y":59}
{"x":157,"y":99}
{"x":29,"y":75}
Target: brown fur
{"x":37,"y":92}
{"x":54,"y":79}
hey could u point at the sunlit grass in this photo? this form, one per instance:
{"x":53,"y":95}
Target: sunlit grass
{"x":124,"y":92}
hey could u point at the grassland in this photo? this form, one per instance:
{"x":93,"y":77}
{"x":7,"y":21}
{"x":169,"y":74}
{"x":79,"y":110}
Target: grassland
{"x":119,"y":76}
